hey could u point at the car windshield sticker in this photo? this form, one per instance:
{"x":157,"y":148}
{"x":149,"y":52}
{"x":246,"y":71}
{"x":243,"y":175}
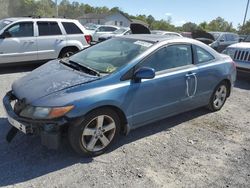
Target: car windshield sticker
{"x":143,"y":43}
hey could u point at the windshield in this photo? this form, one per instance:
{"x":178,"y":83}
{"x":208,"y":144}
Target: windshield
{"x":215,"y":35}
{"x":4,"y":23}
{"x":108,"y":56}
{"x":120,"y":31}
{"x":247,"y":39}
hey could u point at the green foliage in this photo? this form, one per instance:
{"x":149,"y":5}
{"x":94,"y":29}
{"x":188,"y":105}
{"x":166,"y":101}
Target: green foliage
{"x":245,"y":30}
{"x":218,"y":24}
{"x":189,"y":27}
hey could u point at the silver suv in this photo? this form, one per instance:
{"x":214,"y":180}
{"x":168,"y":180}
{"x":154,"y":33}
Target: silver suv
{"x":223,"y":40}
{"x":40,"y":39}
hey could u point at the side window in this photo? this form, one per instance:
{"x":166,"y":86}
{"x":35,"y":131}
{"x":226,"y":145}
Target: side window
{"x":169,"y":57}
{"x":111,"y":29}
{"x":203,"y":55}
{"x":71,"y":28}
{"x":101,"y":29}
{"x":222,"y":38}
{"x":128,"y":33}
{"x":23,"y":29}
{"x":229,"y":37}
{"x":48,"y":28}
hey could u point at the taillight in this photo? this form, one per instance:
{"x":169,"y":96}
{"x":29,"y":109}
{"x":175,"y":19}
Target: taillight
{"x":88,"y":38}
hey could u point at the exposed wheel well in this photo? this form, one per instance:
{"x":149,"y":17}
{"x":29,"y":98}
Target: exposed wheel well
{"x":121,"y":115}
{"x":67,"y":48}
{"x":228,"y":83}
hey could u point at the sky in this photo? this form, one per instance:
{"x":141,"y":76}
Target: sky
{"x":181,"y":11}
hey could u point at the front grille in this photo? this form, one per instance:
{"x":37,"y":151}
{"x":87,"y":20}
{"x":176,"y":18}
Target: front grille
{"x":19,"y":106}
{"x":242,"y":55}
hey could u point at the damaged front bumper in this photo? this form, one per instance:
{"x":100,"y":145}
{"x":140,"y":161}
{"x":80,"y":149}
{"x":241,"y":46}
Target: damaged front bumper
{"x":49,"y":130}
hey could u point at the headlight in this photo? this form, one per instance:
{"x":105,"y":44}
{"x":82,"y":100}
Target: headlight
{"x":45,"y":112}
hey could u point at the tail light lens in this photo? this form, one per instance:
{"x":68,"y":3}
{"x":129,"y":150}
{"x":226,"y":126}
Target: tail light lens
{"x":88,"y":38}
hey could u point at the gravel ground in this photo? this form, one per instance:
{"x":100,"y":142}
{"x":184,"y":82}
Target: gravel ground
{"x":194,"y":149}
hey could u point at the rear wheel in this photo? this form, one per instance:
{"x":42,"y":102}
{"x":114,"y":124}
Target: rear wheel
{"x":96,"y":133}
{"x":67,"y":52}
{"x":218,"y":97}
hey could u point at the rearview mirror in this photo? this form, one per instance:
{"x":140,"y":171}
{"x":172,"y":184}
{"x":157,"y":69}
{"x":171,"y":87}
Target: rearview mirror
{"x":144,"y":73}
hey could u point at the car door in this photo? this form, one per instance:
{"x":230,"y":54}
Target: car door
{"x":206,"y":75}
{"x":50,"y":40}
{"x":171,"y":89}
{"x":222,"y":43}
{"x":18,"y":43}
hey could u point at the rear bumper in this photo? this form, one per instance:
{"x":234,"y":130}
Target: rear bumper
{"x":49,"y":130}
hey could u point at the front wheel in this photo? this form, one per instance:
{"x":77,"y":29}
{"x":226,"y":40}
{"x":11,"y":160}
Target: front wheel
{"x":218,"y":97}
{"x":96,"y":133}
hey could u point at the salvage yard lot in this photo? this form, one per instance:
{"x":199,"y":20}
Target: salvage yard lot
{"x":194,"y":149}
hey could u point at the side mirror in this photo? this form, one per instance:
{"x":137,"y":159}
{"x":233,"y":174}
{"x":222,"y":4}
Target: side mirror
{"x":5,"y":34}
{"x":144,"y":73}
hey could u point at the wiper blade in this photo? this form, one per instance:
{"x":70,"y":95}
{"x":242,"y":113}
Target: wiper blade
{"x":81,"y":67}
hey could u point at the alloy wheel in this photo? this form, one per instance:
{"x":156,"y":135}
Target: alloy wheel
{"x":220,"y":96}
{"x":98,"y":133}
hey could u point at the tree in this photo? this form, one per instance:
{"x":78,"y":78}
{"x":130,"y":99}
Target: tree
{"x":189,"y":27}
{"x":163,"y":25}
{"x":219,"y":24}
{"x":203,"y":26}
{"x":150,"y":20}
{"x":244,"y":30}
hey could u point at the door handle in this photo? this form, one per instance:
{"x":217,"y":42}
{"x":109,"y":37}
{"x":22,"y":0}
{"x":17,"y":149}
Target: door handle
{"x":31,"y":41}
{"x":59,"y":40}
{"x":187,"y":83}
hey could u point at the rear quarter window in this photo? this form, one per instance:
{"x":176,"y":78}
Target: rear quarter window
{"x":202,"y":55}
{"x":71,"y":28}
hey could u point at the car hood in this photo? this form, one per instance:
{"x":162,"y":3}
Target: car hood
{"x":203,"y":36}
{"x":47,"y":79}
{"x":137,"y":28}
{"x":240,"y":45}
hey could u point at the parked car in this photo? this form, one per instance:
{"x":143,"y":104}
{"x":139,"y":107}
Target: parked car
{"x":40,"y":39}
{"x":118,"y":32}
{"x":91,"y":28}
{"x":240,"y":53}
{"x":116,"y":86}
{"x":167,"y":33}
{"x":103,"y":29}
{"x":223,"y":40}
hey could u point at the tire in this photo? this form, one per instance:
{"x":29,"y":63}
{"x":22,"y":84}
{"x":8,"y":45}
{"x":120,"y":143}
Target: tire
{"x":67,"y":52}
{"x":219,"y":97}
{"x":96,"y":133}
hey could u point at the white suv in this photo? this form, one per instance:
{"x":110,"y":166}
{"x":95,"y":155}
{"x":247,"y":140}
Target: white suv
{"x":40,"y":39}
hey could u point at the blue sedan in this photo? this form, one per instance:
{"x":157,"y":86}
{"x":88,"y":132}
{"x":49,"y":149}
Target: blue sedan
{"x":116,"y":86}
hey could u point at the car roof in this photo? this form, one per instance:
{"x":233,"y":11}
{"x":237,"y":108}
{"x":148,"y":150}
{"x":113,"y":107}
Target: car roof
{"x":169,"y":39}
{"x":14,"y":19}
